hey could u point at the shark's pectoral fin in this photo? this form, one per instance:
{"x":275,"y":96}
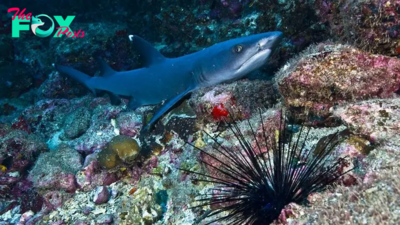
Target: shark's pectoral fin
{"x":115,"y":99}
{"x":147,"y":51}
{"x":134,"y":103}
{"x":106,"y":70}
{"x":169,"y":104}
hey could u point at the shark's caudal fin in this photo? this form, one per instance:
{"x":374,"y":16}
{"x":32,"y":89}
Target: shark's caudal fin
{"x":76,"y":75}
{"x":106,"y":71}
{"x":150,"y":55}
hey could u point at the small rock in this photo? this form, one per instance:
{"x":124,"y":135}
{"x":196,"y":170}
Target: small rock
{"x":81,"y":223}
{"x":101,"y":195}
{"x":26,"y":216}
{"x":86,"y":211}
{"x":60,"y":222}
{"x":76,"y":123}
{"x":104,"y":219}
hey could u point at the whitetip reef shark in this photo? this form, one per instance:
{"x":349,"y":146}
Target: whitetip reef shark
{"x":170,"y":79}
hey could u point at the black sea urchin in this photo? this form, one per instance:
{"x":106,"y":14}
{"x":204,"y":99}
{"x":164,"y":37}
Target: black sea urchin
{"x":253,"y":188}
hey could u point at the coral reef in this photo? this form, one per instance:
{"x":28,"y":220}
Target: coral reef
{"x":131,"y":207}
{"x":327,"y":75}
{"x":373,"y":201}
{"x":55,"y":170}
{"x":371,"y":25}
{"x":18,"y":149}
{"x":378,"y":119}
{"x":241,"y":99}
{"x":57,"y":86}
{"x":251,"y":188}
{"x":119,"y":149}
{"x":129,"y":123}
{"x":70,"y":157}
{"x":76,"y":123}
{"x":92,"y":176}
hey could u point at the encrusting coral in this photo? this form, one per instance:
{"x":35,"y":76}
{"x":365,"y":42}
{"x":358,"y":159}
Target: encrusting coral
{"x":120,"y":149}
{"x":326,"y":75}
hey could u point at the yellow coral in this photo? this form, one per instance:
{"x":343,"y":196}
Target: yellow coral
{"x":120,"y":149}
{"x":108,"y":159}
{"x":3,"y":168}
{"x":126,"y":148}
{"x":199,"y":143}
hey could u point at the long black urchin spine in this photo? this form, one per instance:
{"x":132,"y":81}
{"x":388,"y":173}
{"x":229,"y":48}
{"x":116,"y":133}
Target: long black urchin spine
{"x":253,"y":188}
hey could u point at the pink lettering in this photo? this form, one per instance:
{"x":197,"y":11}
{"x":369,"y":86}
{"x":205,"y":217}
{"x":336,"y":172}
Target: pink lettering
{"x":21,"y":15}
{"x":76,"y":34}
{"x":65,"y":30}
{"x":13,"y":9}
{"x":61,"y":31}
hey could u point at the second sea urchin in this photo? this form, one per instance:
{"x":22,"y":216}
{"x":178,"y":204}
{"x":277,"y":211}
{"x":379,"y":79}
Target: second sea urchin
{"x":253,"y":188}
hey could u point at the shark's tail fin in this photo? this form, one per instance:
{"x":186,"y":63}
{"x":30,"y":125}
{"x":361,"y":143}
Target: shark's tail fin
{"x":76,"y":75}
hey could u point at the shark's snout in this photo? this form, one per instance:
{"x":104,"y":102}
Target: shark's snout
{"x":270,"y":42}
{"x":264,"y":45}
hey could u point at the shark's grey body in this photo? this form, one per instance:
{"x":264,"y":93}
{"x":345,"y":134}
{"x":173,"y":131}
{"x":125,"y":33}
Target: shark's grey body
{"x":172,"y":78}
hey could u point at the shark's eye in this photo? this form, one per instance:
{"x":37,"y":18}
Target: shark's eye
{"x":238,"y":48}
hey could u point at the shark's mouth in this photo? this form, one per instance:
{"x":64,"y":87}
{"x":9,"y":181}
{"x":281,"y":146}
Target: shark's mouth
{"x":255,"y":61}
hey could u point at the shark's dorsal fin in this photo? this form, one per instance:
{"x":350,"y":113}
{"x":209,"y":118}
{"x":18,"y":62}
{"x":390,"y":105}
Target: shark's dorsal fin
{"x":150,"y":55}
{"x":106,"y":70}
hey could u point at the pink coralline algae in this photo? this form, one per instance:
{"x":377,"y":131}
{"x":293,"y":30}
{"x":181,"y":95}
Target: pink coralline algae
{"x":270,"y":126}
{"x":100,"y":131}
{"x":56,"y":170}
{"x":215,"y":98}
{"x":92,"y":176}
{"x":327,"y":75}
{"x":268,"y":130}
{"x":240,"y":99}
{"x":378,"y":120}
{"x":55,"y":199}
{"x":46,"y":117}
{"x":371,"y":25}
{"x":58,"y":181}
{"x":19,"y":149}
{"x":129,"y":123}
{"x":82,"y":123}
{"x":56,"y":86}
{"x":76,"y":123}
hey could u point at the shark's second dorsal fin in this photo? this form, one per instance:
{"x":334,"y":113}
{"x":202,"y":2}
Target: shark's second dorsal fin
{"x":148,"y":52}
{"x":106,"y":70}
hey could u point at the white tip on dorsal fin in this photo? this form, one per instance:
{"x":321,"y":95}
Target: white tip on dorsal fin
{"x":146,"y":50}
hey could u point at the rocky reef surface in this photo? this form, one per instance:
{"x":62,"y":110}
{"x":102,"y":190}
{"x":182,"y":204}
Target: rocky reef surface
{"x":69,"y":157}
